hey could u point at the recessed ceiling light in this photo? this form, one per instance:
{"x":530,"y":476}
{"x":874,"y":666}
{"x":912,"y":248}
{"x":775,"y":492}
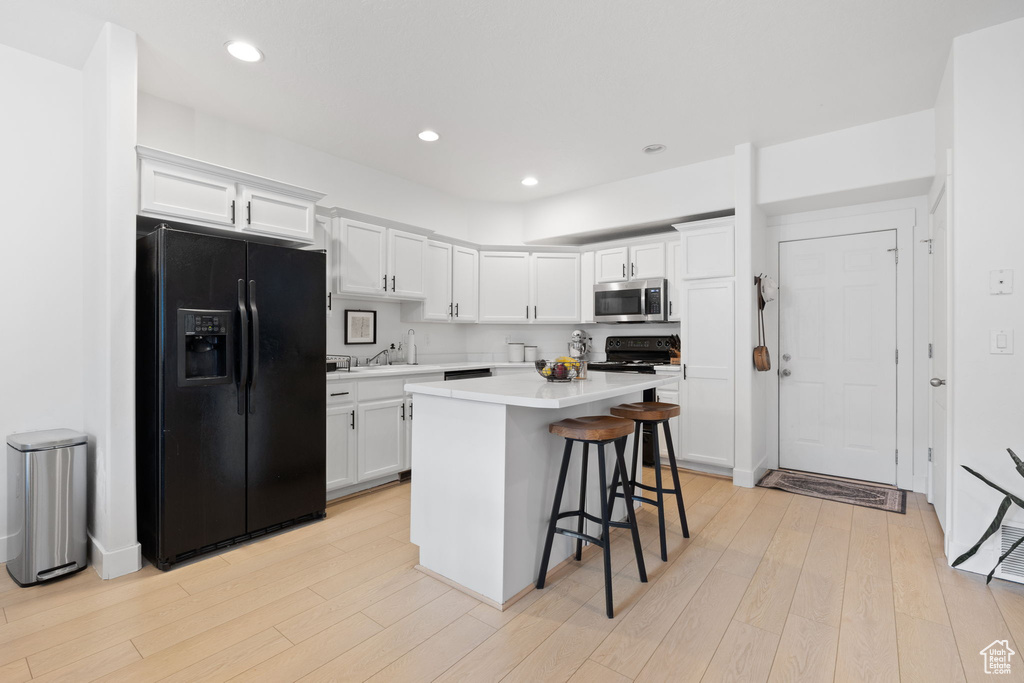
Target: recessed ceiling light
{"x":654,"y":149}
{"x":429,"y":136}
{"x":529,"y":181}
{"x":243,"y":51}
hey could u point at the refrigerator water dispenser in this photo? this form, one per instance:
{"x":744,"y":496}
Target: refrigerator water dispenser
{"x":204,"y":347}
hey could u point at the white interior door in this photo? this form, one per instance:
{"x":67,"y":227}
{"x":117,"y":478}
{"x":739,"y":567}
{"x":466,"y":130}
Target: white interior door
{"x":938,"y":471}
{"x":837,"y":348}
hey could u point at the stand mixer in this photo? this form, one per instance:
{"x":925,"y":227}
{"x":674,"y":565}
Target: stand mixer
{"x":579,"y":344}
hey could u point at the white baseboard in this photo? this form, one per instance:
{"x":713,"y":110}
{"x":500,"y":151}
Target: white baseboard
{"x":749,"y":478}
{"x":112,"y":564}
{"x":704,"y":467}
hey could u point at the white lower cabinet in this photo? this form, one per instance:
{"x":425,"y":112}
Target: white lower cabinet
{"x":670,"y":394}
{"x":341,"y":446}
{"x":380,"y":429}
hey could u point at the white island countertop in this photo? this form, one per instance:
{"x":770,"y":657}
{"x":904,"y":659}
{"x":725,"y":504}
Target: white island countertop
{"x":533,"y":391}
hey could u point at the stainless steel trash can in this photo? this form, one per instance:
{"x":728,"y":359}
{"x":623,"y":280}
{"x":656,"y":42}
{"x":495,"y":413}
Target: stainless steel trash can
{"x":46,"y":499}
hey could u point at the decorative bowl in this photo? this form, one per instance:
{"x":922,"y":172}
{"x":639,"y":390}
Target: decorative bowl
{"x":559,"y":370}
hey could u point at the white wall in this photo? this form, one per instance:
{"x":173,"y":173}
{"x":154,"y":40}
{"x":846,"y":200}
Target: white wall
{"x":988,"y":234}
{"x":40,"y":249}
{"x":657,"y":197}
{"x":883,"y":160}
{"x":107,"y":294}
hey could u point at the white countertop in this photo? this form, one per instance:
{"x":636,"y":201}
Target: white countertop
{"x":368,"y":371}
{"x":530,"y":390}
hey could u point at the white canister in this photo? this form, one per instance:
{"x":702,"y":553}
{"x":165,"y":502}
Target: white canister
{"x":530,"y":353}
{"x":516,"y":352}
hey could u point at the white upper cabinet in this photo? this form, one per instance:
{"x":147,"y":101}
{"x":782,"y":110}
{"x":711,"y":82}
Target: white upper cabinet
{"x":647,"y":261}
{"x":437,"y":282}
{"x":504,"y":286}
{"x":611,"y":265}
{"x":186,"y":194}
{"x":707,"y":251}
{"x":373,"y":261}
{"x":465,"y":294}
{"x":362,"y":260}
{"x":555,"y":287}
{"x":406,"y":252}
{"x":183,"y":189}
{"x":674,"y":276}
{"x":587,"y":287}
{"x":274,"y":213}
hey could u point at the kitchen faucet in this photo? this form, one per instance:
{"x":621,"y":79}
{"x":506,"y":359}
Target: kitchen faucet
{"x":387,"y":358}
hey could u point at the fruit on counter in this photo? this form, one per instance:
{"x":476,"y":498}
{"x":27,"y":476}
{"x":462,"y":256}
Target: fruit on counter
{"x":560,"y":371}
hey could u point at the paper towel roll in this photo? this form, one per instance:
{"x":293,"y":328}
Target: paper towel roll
{"x":410,"y":347}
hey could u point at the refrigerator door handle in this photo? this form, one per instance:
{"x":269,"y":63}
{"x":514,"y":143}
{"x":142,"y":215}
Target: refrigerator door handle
{"x":255,"y":341}
{"x":243,"y":345}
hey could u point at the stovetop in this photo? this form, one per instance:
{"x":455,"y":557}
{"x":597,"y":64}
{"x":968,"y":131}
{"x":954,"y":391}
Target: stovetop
{"x":630,"y":354}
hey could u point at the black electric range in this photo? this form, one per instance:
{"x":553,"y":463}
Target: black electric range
{"x":641,"y":355}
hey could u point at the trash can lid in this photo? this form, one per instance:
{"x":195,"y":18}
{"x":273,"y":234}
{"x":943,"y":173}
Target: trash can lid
{"x":46,"y":439}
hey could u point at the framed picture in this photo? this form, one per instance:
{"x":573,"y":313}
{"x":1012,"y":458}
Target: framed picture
{"x":360,"y":327}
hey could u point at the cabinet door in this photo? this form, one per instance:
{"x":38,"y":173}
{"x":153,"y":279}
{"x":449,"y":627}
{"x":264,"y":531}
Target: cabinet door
{"x":341,"y":447}
{"x":465,"y":285}
{"x":178,"y":192}
{"x":406,"y":253}
{"x":647,"y":261}
{"x":437,"y":282}
{"x":706,"y":390}
{"x":407,"y":447}
{"x":611,"y":265}
{"x":587,"y":287}
{"x":362,"y":260}
{"x":380,"y":426}
{"x":272,"y":213}
{"x":555,"y":287}
{"x":504,"y":287}
{"x":707,"y":252}
{"x":672,"y":273}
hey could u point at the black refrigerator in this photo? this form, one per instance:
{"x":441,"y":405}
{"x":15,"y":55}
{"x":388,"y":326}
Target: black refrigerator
{"x":230,"y":398}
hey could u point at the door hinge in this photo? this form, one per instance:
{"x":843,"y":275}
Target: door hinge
{"x":929,"y":454}
{"x":897,"y":456}
{"x":931,"y":249}
{"x":896,"y":252}
{"x":931,"y":351}
{"x":897,"y":356}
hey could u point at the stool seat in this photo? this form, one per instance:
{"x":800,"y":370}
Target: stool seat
{"x":592,"y":428}
{"x":649,"y":411}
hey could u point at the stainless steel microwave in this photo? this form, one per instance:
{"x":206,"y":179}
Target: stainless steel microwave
{"x":638,"y":301}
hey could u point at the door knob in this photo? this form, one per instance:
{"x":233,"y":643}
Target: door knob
{"x":936,"y":382}
{"x":787,"y":372}
{"x":786,"y":356}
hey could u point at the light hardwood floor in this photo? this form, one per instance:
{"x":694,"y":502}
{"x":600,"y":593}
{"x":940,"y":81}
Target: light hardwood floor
{"x":771,"y":587}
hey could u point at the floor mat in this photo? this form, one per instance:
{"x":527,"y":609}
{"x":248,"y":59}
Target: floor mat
{"x":840,"y":490}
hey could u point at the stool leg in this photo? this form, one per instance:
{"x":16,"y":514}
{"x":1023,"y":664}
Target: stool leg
{"x":555,"y":509}
{"x":637,"y":437}
{"x":583,"y":499}
{"x":627,"y":486}
{"x":675,"y":478}
{"x":661,"y":499}
{"x":605,"y":536}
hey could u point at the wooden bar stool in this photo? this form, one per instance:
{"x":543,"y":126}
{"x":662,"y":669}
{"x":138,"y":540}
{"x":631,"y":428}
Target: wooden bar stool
{"x":655,"y":414}
{"x":600,"y":430}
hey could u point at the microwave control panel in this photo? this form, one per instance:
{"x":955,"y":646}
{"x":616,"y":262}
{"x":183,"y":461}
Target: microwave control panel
{"x":654,"y":301}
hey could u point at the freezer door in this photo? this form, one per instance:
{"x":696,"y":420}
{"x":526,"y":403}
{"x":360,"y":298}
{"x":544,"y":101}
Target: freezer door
{"x":287,"y":411}
{"x":201,"y":469}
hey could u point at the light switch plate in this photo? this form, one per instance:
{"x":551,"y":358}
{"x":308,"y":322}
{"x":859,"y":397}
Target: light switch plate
{"x":1000,"y":282}
{"x":1001,"y":342}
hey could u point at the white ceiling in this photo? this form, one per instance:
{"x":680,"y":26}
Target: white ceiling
{"x":568,"y":91}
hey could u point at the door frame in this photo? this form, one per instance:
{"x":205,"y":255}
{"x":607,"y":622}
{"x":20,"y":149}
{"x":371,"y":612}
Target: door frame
{"x":901,"y":216}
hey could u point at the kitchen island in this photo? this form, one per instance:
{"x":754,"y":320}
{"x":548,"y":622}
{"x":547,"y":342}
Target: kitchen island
{"x":485,"y":473}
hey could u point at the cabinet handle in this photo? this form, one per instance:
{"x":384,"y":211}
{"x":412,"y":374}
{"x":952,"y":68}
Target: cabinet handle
{"x":449,"y":310}
{"x":527,"y":311}
{"x":248,"y":213}
{"x":353,"y":419}
{"x":534,"y":312}
{"x":623,"y":270}
{"x":632,"y":269}
{"x":392,"y":283}
{"x":456,"y":310}
{"x":385,"y":282}
{"x":410,"y":408}
{"x":403,"y":411}
{"x":329,"y":300}
{"x":684,"y":370}
{"x":232,"y":211}
{"x":340,"y":393}
{"x":670,"y":308}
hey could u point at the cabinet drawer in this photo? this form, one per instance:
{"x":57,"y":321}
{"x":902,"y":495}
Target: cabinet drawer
{"x":340,"y":391}
{"x":374,"y":389}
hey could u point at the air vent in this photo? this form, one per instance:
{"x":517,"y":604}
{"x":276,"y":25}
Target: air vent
{"x":1012,"y":567}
